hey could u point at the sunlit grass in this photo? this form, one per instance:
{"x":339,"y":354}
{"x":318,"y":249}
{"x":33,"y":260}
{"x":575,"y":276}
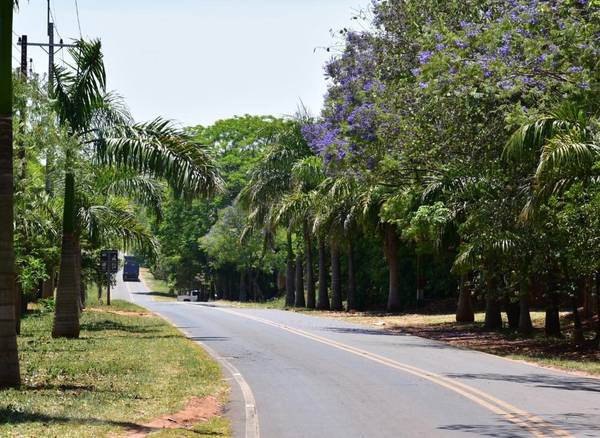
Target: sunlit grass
{"x":125,"y":369}
{"x":159,"y":288}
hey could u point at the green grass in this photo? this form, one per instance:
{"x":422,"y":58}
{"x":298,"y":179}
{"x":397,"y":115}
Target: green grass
{"x":159,"y":288}
{"x":124,"y":370}
{"x":275,"y":303}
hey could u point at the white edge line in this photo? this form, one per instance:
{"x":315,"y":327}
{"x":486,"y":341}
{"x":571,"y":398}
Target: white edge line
{"x":252,"y":427}
{"x":251,"y":413}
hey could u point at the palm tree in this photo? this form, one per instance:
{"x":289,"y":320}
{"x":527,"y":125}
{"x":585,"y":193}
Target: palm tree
{"x":565,"y":146}
{"x":98,"y":122}
{"x":375,"y":201}
{"x":336,"y":217}
{"x":269,"y":182}
{"x":9,"y":359}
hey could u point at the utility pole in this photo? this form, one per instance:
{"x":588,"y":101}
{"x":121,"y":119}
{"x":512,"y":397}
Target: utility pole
{"x":23,"y":41}
{"x":52,"y":49}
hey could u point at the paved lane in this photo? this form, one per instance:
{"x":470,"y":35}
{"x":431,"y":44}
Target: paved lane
{"x":314,"y":377}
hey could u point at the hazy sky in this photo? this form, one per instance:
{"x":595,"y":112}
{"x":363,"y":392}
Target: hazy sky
{"x":197,"y":61}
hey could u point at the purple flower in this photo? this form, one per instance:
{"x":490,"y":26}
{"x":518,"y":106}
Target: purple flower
{"x":440,"y":47}
{"x":575,"y":69}
{"x":461,"y":44}
{"x":425,"y":56}
{"x":416,"y":71}
{"x":505,"y":49}
{"x":423,"y":85}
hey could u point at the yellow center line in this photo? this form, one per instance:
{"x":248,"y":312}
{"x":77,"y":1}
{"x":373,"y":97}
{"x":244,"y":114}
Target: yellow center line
{"x":533,"y":424}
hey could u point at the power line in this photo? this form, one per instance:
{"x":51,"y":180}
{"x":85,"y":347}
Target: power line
{"x":53,"y":16}
{"x":78,"y":21}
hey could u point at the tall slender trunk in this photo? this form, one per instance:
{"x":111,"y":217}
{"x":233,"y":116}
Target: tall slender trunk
{"x":9,"y":358}
{"x":513,"y":312}
{"x":597,"y":339}
{"x":310,"y":275}
{"x":49,"y":186}
{"x":66,"y":314}
{"x":299,"y":301}
{"x":464,"y":308}
{"x":80,"y":282}
{"x":18,"y":307}
{"x":391,"y":254}
{"x":552,"y":322}
{"x":579,"y":338}
{"x":351,"y":292}
{"x":420,"y":281}
{"x":493,"y":315}
{"x":323,"y":302}
{"x":48,"y":284}
{"x":525,"y":325}
{"x":336,"y":280}
{"x":99,"y":291}
{"x":588,"y":299}
{"x":243,"y":287}
{"x":290,"y":273}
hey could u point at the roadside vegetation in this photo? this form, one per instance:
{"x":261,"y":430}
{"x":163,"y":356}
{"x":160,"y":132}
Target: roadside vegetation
{"x":76,"y":171}
{"x":127,"y":368}
{"x":455,"y":160}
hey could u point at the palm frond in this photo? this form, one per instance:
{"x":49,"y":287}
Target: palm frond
{"x":157,"y":148}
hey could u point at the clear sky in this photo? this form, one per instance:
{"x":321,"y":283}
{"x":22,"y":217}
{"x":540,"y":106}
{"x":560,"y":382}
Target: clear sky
{"x":197,"y":61}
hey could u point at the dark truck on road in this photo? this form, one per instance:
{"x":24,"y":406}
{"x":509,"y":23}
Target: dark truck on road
{"x":131,"y":269}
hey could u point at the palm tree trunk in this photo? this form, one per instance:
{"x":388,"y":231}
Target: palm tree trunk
{"x":9,"y":358}
{"x":351,"y":292}
{"x":49,"y":187}
{"x":597,"y":338}
{"x":578,"y":338}
{"x":336,"y":279}
{"x":310,"y":275}
{"x":464,"y":308}
{"x":493,"y":312}
{"x":391,"y":255}
{"x":323,"y":303}
{"x":243,"y":287}
{"x":552,"y":322}
{"x":19,"y":298}
{"x":420,"y":282}
{"x":290,"y":274}
{"x":66,"y":315}
{"x":513,"y":312}
{"x":299,"y":301}
{"x":525,"y":325}
{"x":48,"y":285}
{"x":80,"y":282}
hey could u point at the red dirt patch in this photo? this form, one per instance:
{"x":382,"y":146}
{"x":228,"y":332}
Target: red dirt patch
{"x":196,"y":411}
{"x":122,"y":312}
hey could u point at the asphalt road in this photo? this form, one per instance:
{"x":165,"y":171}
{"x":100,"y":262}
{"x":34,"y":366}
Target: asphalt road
{"x":297,"y":376}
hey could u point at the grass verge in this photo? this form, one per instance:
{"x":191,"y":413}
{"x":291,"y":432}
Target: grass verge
{"x":127,"y":368}
{"x":160,"y":289}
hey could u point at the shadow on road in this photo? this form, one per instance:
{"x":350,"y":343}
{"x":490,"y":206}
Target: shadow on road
{"x":362,"y":331}
{"x":587,"y":425}
{"x":491,"y":430}
{"x":539,"y":380}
